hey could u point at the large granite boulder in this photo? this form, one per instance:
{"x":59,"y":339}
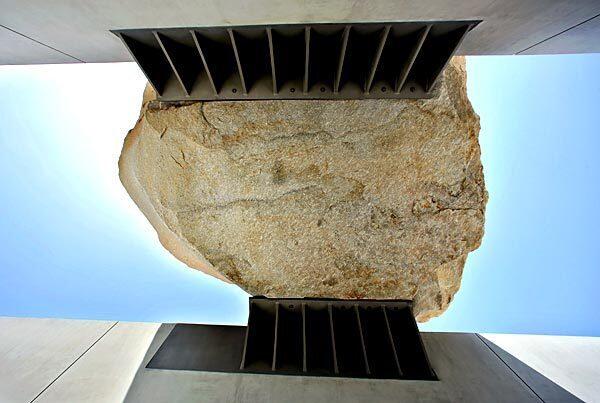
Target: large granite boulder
{"x":348,"y":199}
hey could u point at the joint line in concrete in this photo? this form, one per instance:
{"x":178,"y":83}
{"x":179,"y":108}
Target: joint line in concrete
{"x":509,"y":367}
{"x":558,"y":34}
{"x":73,"y":363}
{"x":40,"y":43}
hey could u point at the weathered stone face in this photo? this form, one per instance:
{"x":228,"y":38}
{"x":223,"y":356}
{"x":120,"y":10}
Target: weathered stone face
{"x":348,"y":199}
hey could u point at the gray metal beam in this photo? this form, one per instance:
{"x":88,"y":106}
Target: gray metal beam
{"x":331,"y":61}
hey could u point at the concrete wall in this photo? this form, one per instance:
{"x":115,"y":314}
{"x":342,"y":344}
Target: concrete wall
{"x":571,"y":362}
{"x":51,"y":360}
{"x":55,"y":360}
{"x":66,"y":31}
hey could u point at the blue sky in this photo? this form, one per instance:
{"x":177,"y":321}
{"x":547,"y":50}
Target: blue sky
{"x":73,"y":245}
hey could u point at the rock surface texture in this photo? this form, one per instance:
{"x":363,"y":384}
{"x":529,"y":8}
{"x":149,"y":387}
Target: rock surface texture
{"x":346,"y":199}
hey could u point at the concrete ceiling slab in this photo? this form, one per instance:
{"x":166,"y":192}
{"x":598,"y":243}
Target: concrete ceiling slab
{"x":81,"y":29}
{"x":17,"y":49}
{"x":574,"y":40}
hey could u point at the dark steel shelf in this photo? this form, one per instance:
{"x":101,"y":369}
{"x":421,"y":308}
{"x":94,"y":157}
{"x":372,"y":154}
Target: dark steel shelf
{"x":312,"y":337}
{"x":296,"y":61}
{"x":328,"y":337}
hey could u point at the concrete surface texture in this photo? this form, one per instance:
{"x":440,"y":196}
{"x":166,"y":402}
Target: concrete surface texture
{"x":54,"y":360}
{"x":63,"y":31}
{"x":51,"y":360}
{"x":571,"y":362}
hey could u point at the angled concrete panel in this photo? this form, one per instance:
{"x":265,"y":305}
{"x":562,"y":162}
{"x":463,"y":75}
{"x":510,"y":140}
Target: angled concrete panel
{"x":34,"y":352}
{"x":570,"y":362}
{"x":466,"y":367}
{"x":107,"y":369}
{"x":17,"y":49}
{"x":81,"y":29}
{"x":50,"y":360}
{"x":574,"y":40}
{"x":511,"y":26}
{"x":547,"y":390}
